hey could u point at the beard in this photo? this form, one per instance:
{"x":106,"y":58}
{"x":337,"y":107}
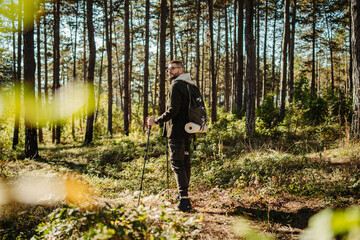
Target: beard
{"x":174,"y":76}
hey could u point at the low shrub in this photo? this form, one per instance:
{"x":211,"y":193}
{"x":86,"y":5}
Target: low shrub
{"x":117,"y":223}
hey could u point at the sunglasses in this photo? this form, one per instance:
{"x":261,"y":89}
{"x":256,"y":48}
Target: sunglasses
{"x":171,"y":68}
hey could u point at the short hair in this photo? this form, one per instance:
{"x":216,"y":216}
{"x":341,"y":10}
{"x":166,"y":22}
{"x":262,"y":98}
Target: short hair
{"x":177,"y":62}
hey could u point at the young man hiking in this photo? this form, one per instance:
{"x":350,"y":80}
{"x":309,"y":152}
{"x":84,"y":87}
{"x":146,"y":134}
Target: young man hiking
{"x":175,"y":117}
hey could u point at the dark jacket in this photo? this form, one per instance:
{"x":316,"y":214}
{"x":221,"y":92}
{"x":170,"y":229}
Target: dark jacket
{"x":176,"y":113}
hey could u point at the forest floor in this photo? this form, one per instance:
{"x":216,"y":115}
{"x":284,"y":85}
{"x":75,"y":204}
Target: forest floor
{"x":221,"y":210}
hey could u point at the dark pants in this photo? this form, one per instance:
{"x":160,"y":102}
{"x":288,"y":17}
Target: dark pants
{"x":179,"y":154}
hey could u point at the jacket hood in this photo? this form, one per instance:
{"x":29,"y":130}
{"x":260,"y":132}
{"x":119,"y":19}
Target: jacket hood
{"x":185,"y":77}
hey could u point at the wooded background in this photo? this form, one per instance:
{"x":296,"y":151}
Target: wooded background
{"x":240,"y":53}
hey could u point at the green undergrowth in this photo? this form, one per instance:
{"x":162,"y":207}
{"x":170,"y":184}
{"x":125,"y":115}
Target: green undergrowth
{"x":121,"y":222}
{"x":117,"y":223}
{"x":278,"y":174}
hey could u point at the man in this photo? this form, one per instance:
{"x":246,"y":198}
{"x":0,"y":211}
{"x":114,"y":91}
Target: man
{"x":175,"y":117}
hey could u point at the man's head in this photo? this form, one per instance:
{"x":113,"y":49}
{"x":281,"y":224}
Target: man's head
{"x":174,"y":69}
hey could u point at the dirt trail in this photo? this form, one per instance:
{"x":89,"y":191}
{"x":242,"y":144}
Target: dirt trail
{"x":281,"y":218}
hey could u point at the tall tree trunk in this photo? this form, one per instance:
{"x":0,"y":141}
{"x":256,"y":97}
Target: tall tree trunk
{"x":355,"y":47}
{"x":197,"y":70}
{"x":74,"y":65}
{"x":56,"y":67}
{"x":240,"y":70}
{"x":46,"y":85}
{"x":172,"y":29}
{"x":291,"y":53}
{"x":14,"y":51}
{"x":284,"y":57}
{"x":38,"y":54}
{"x":90,"y":76}
{"x":273,"y":82}
{"x":157,"y":68}
{"x":100,"y":79}
{"x":212,"y":65}
{"x":234,"y":70}
{"x":119,"y":100}
{"x":217,"y":51}
{"x":350,"y":51}
{"x":162,"y":56}
{"x":204,"y":46}
{"x":127,"y":68}
{"x":313,"y":70}
{"x":250,"y":68}
{"x":81,"y":119}
{"x":85,"y":43}
{"x":31,"y":144}
{"x":131,"y":31}
{"x":13,"y":45}
{"x":17,"y":81}
{"x":108,"y":31}
{"x":331,"y":46}
{"x":146,"y":64}
{"x":227,"y":65}
{"x":264,"y":54}
{"x":258,"y":78}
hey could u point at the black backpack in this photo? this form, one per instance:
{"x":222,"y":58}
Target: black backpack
{"x":197,"y":111}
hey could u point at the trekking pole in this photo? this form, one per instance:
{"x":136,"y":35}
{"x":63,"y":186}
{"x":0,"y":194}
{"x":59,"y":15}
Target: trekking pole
{"x":143,"y":171}
{"x":167,"y":167}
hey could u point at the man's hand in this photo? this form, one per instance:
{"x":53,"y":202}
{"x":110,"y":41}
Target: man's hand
{"x":150,"y":121}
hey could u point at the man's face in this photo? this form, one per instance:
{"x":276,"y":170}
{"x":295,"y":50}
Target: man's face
{"x":174,"y":71}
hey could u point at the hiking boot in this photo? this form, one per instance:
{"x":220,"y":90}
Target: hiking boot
{"x":184,"y":205}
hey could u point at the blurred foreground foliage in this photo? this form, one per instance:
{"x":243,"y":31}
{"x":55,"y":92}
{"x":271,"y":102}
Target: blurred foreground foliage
{"x":334,"y":224}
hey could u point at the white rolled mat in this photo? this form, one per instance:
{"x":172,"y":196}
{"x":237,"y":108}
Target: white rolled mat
{"x":195,"y":128}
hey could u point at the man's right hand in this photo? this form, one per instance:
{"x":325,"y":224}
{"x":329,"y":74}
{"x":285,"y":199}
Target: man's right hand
{"x":150,"y":121}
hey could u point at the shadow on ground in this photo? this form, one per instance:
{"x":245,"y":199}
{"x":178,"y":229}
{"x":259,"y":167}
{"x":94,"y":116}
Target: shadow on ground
{"x":298,"y":219}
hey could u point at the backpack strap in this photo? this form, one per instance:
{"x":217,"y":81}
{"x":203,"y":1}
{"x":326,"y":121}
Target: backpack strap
{"x":188,"y":88}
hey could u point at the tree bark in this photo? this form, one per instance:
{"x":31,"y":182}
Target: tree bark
{"x":313,"y":70}
{"x":197,"y":70}
{"x":355,"y":46}
{"x":350,"y":51}
{"x":234,"y":70}
{"x":31,"y":144}
{"x":212,"y":65}
{"x":91,"y":72}
{"x":291,"y":53}
{"x":331,"y":47}
{"x":38,"y":54}
{"x":74,"y":66}
{"x":264,"y":82}
{"x":227,"y":65}
{"x":273,"y":82}
{"x":284,"y":57}
{"x":240,"y":64}
{"x":250,"y":69}
{"x":56,"y":67}
{"x":100,"y":79}
{"x":46,"y":86}
{"x":127,"y":68}
{"x":171,"y":29}
{"x":157,"y":69}
{"x":258,"y":78}
{"x":17,"y":80}
{"x":162,"y":56}
{"x":146,"y":63}
{"x":108,"y":31}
